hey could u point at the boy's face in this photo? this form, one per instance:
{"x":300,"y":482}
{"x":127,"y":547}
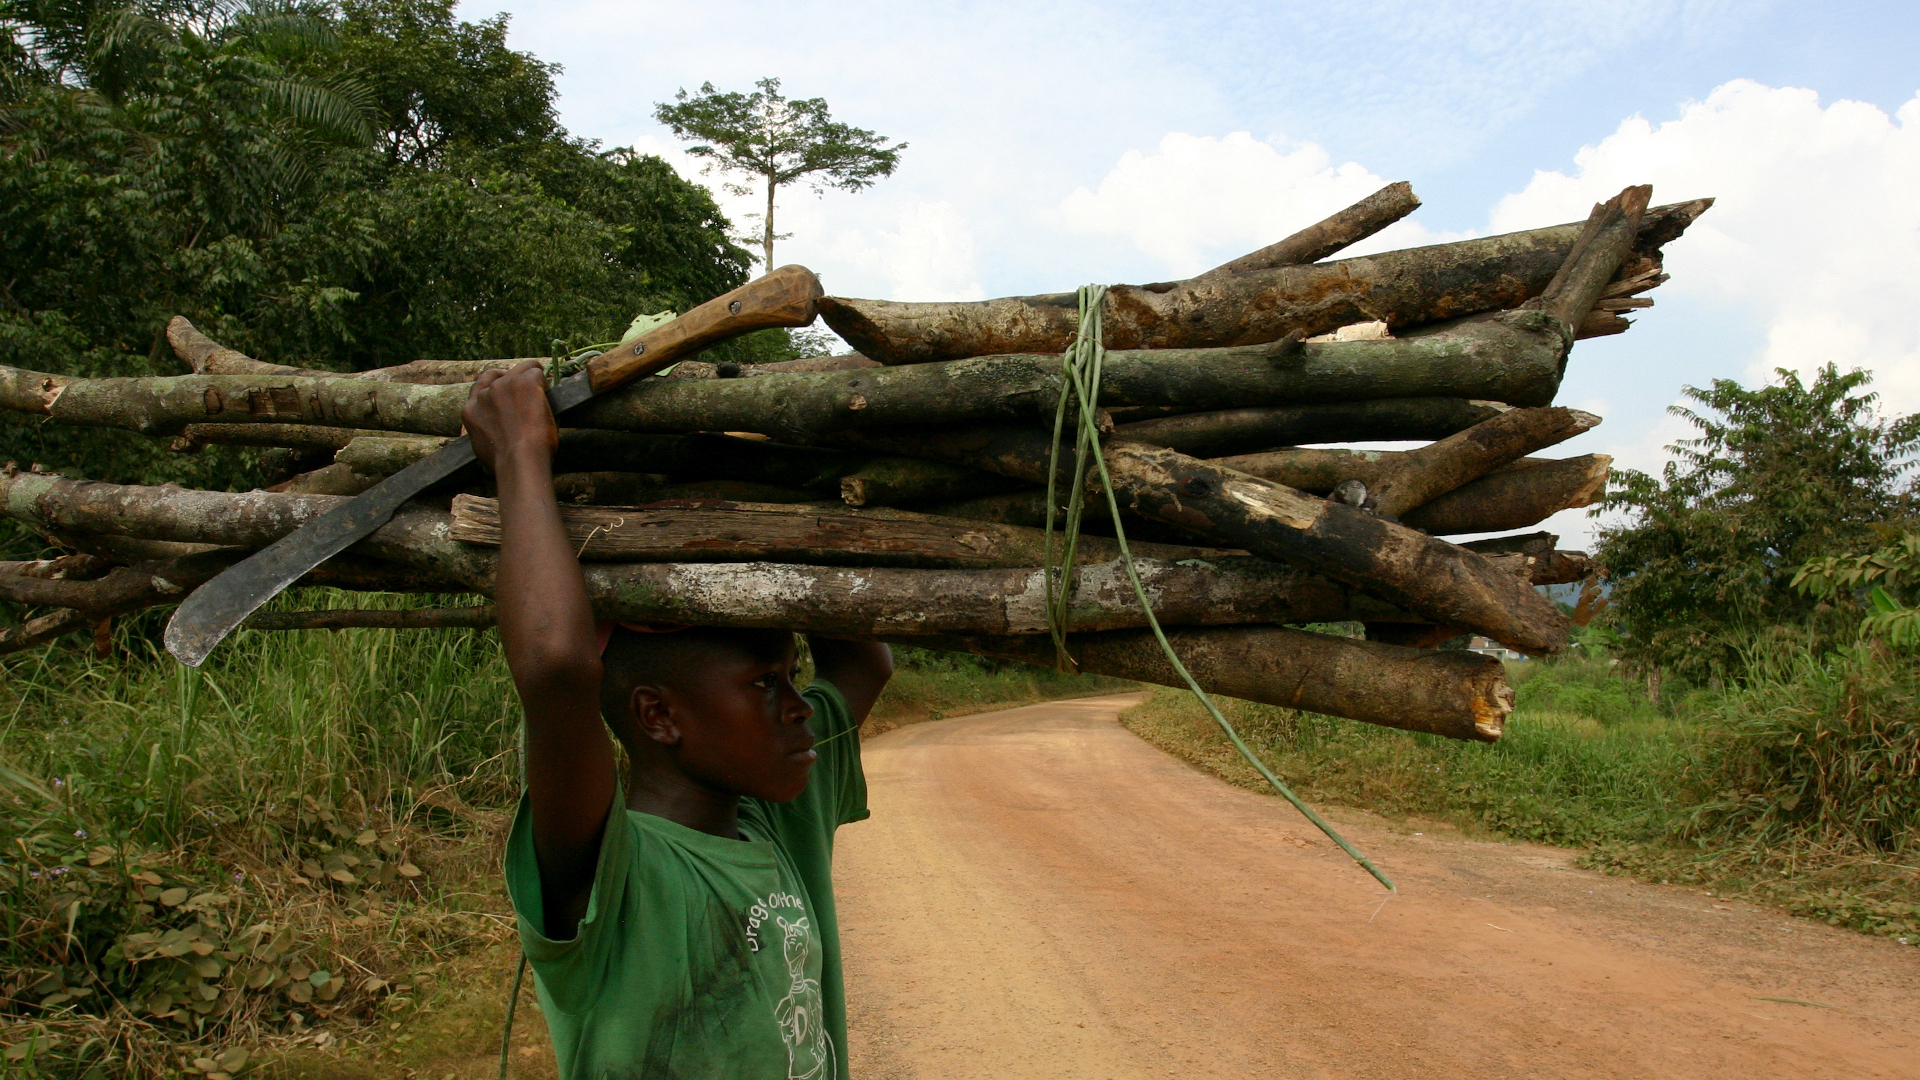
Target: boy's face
{"x":743,"y":726}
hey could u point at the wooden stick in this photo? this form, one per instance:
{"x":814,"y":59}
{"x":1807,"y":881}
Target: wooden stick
{"x":1233,"y":509}
{"x":346,"y":618}
{"x":1437,"y":468}
{"x":1523,"y":494}
{"x":1460,"y":695}
{"x":893,"y":481}
{"x":1323,"y":238}
{"x":819,"y":535}
{"x":1246,"y":430}
{"x":1401,"y":288}
{"x":1516,"y":358}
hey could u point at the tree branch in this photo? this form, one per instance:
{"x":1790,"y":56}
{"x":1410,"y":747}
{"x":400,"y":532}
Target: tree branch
{"x":1323,"y":238}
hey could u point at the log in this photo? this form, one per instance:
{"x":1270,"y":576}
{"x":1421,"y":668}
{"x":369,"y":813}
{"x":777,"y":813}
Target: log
{"x":700,"y":369}
{"x":1546,"y":565}
{"x":894,"y":481}
{"x":1400,"y":288}
{"x":46,"y":628}
{"x":1424,"y":474}
{"x":1244,"y":431}
{"x":823,"y":536}
{"x":1523,"y":494}
{"x":165,"y":405}
{"x":1516,"y":357}
{"x":1234,"y":509}
{"x":1461,"y":695}
{"x":1516,"y":496}
{"x":308,"y":437}
{"x":381,"y":619}
{"x":1323,"y":238}
{"x":852,"y":601}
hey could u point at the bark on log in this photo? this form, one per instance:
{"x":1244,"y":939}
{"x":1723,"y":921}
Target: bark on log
{"x":48,"y":627}
{"x":1245,"y":431}
{"x":1323,"y":238}
{"x":1439,"y":467}
{"x":1457,"y":694}
{"x":700,"y":369}
{"x":835,"y":536}
{"x":834,"y":600}
{"x":1400,"y":288}
{"x":1233,"y":509}
{"x":896,"y":481}
{"x":1516,"y":357}
{"x":309,"y":437}
{"x":1546,"y":565}
{"x":165,"y":405}
{"x":1523,"y":494}
{"x":347,"y":618}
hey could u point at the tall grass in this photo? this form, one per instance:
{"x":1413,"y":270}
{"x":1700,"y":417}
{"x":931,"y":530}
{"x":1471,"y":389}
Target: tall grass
{"x":1801,"y":786}
{"x":197,"y":860}
{"x":1585,"y":758}
{"x":294,"y":840}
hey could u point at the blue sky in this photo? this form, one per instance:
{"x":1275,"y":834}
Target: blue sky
{"x":1057,"y":144}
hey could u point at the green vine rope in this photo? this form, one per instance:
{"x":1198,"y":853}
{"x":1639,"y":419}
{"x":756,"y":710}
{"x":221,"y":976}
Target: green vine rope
{"x":1080,"y":371}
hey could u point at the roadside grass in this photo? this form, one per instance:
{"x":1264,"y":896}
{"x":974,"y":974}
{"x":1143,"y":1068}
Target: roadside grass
{"x":1798,"y":789}
{"x":287,"y":862}
{"x":930,"y":685}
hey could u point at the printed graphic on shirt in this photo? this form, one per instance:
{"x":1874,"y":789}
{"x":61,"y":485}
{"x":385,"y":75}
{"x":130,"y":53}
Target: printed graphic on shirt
{"x":801,"y":1014}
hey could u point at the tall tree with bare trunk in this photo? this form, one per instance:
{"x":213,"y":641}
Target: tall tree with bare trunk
{"x":780,"y":141}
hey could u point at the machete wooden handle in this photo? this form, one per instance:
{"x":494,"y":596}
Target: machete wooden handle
{"x":785,"y":297}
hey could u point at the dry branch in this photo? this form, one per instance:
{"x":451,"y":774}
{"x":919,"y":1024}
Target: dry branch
{"x":1433,"y":470}
{"x":1400,"y":288}
{"x":382,"y":619}
{"x":1460,"y":695}
{"x":1244,"y":431}
{"x":1516,"y":357}
{"x":1323,"y":238}
{"x":1234,"y":509}
{"x":826,"y":536}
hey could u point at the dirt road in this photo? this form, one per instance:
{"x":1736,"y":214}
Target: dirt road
{"x":1041,"y":894}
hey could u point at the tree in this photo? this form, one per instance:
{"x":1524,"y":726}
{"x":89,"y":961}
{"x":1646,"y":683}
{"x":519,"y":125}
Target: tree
{"x":780,"y":141}
{"x":343,"y":187}
{"x":1778,"y":476}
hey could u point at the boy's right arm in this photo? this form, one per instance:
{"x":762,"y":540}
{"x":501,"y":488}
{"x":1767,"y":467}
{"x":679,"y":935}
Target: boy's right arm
{"x":547,"y":629}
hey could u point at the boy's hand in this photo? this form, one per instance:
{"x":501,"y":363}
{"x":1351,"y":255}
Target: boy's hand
{"x":507,"y":415}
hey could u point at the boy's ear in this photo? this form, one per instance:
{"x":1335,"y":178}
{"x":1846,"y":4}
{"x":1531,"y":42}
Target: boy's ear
{"x":653,"y":715}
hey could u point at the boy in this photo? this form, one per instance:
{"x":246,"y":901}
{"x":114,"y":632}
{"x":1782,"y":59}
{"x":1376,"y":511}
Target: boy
{"x":683,"y":927}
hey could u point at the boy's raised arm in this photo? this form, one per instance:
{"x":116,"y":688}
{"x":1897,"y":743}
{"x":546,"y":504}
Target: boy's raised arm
{"x":858,"y":669}
{"x":546,"y":626}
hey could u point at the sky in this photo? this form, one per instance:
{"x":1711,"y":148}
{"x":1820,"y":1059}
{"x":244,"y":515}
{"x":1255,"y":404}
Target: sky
{"x":1056,"y":144}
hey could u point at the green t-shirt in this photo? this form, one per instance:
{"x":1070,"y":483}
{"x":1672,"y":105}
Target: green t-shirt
{"x":699,"y":956}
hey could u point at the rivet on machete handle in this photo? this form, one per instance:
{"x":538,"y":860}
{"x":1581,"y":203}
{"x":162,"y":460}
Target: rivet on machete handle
{"x":786,"y":297}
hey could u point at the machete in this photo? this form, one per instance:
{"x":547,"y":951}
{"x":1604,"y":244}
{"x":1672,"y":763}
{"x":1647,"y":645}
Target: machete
{"x":785,"y":297}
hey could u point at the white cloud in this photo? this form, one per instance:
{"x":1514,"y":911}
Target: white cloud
{"x":1816,"y":230}
{"x":927,"y":256}
{"x":1197,"y":201}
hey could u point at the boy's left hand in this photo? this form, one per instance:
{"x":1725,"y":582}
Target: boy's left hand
{"x":507,"y":415}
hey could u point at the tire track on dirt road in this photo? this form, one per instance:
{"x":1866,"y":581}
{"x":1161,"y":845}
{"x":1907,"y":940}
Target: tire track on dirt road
{"x":1041,"y":894}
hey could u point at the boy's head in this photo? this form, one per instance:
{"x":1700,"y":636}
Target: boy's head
{"x":717,"y":706}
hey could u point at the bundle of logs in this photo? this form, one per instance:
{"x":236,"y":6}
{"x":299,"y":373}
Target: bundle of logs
{"x":898,"y":493}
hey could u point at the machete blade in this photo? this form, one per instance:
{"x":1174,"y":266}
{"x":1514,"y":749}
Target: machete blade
{"x":206,"y":617}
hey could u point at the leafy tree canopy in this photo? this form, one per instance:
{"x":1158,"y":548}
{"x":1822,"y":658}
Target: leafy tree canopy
{"x":344,"y":185}
{"x":1777,"y":477}
{"x":766,"y":135}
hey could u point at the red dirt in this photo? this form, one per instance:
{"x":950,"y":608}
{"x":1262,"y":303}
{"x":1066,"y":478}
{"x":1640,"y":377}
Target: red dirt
{"x":1041,"y":894}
